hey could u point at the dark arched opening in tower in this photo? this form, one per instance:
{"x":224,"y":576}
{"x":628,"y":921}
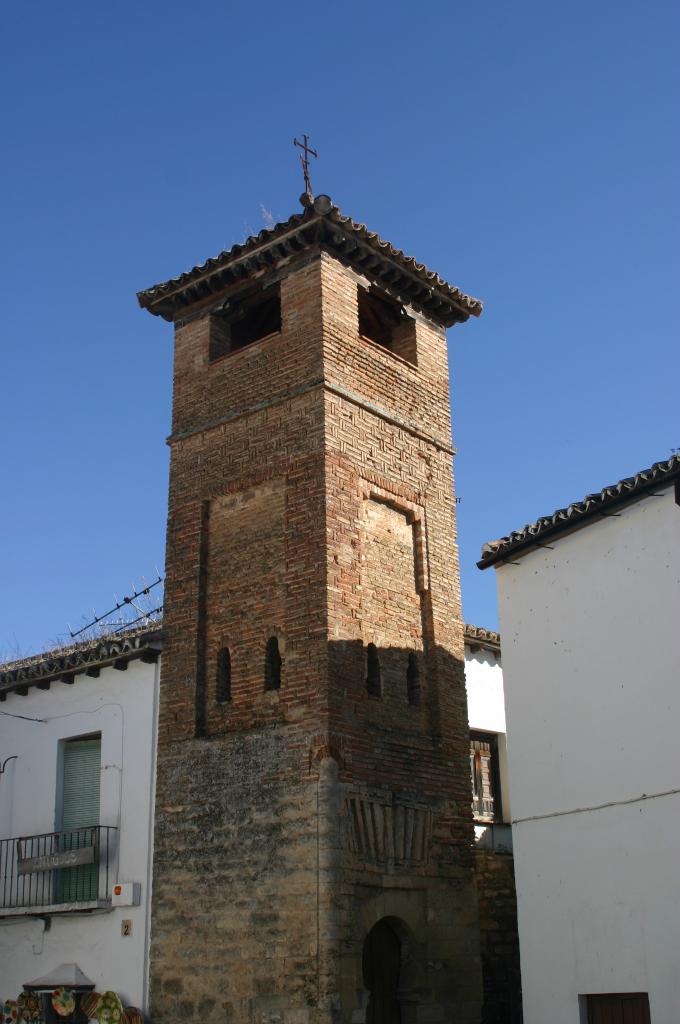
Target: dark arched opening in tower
{"x":381,"y":969}
{"x":272,"y":664}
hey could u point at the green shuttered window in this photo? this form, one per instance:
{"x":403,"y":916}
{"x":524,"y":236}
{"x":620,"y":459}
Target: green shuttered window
{"x":82,"y":762}
{"x":82,"y":776}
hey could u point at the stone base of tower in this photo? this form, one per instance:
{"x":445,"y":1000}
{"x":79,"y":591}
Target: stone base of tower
{"x":435,"y":929}
{"x":235,"y":901}
{"x":269,"y":906}
{"x":403,"y":926}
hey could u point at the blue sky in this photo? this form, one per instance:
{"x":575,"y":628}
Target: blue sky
{"x":528,"y":152}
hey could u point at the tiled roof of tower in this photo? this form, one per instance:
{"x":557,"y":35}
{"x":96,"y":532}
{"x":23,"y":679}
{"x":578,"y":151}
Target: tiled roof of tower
{"x":581,"y":513}
{"x":324,"y":224}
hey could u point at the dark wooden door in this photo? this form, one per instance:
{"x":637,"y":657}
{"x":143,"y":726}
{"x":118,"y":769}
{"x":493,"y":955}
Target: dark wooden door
{"x":382,"y":958}
{"x":622,"y":1008}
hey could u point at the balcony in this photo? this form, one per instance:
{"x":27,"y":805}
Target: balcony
{"x":483,"y":807}
{"x":57,"y":872}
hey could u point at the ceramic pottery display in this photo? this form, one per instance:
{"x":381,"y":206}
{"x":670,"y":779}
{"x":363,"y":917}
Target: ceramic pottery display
{"x":10,"y":1011}
{"x":28,"y":1005}
{"x":63,"y":1001}
{"x":110,"y":1009}
{"x":89,"y":1003}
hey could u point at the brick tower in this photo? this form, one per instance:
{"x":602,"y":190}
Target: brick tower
{"x":313,"y":831}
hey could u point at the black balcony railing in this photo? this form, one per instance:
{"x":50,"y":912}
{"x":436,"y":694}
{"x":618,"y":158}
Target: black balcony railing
{"x":57,"y":868}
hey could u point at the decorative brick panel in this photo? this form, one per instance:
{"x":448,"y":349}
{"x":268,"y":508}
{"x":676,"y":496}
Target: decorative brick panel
{"x":388,"y":831}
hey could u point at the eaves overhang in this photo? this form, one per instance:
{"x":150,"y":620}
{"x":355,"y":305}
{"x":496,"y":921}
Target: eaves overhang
{"x":480,"y":637}
{"x":646,"y":483}
{"x":63,"y":665}
{"x":323,"y":226}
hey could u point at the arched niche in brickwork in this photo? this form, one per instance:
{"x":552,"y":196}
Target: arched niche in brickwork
{"x":394,"y":609}
{"x":373,"y":671}
{"x":274,"y":658}
{"x":273,"y":663}
{"x":415,"y":515}
{"x":223,"y":669}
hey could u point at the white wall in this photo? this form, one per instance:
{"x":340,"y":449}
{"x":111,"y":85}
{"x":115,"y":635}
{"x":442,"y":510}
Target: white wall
{"x":484,"y":685}
{"x":593,"y":706}
{"x":121,"y":705}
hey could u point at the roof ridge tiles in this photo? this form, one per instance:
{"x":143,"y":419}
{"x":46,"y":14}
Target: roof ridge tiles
{"x":481,"y":635}
{"x":168,"y":298}
{"x":77,"y":657}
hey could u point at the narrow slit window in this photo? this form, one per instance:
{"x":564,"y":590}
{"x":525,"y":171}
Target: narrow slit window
{"x":413,"y":680}
{"x":224,"y":676}
{"x":373,"y":683}
{"x":272,"y":665}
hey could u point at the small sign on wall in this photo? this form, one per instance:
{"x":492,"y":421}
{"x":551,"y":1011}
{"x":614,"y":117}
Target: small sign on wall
{"x":126,"y":894}
{"x":47,"y":861}
{"x":126,"y":926}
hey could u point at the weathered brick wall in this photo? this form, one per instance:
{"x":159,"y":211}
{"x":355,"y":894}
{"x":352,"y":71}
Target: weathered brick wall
{"x":310,"y":493}
{"x":393,"y":577}
{"x":416,"y":394}
{"x":499,"y":938}
{"x":399,"y":459}
{"x":246,"y":562}
{"x":205,"y":392}
{"x":390,"y":605}
{"x":235,"y":871}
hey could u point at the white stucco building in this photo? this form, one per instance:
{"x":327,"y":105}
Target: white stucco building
{"x":491,"y":810}
{"x":589,"y":603}
{"x":488,"y":746}
{"x":77,"y":742}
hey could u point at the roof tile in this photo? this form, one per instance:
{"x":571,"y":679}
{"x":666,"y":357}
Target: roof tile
{"x":439,"y":299}
{"x":580,"y":513}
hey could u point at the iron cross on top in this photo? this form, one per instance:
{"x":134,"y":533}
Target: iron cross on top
{"x":304,"y":160}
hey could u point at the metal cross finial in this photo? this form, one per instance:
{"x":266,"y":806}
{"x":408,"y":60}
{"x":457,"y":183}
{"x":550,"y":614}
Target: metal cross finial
{"x":304,"y":160}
